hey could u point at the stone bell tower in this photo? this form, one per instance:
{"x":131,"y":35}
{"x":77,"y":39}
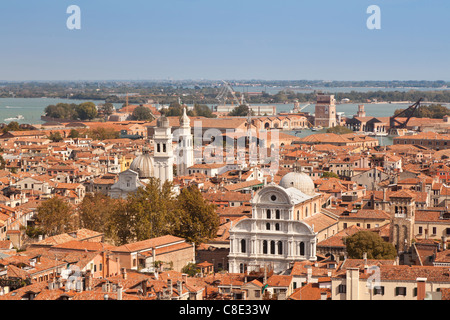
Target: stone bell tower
{"x":402,"y":209}
{"x":163,"y":151}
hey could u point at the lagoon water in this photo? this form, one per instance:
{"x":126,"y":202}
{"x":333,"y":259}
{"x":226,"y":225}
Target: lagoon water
{"x":31,"y":108}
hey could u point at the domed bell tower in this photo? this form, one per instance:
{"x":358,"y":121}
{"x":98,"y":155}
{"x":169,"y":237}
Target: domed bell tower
{"x":185,"y":149}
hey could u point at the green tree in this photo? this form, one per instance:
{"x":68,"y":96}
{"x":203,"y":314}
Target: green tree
{"x":329,"y":174}
{"x":152,"y":211}
{"x":122,"y":223}
{"x":108,"y":108}
{"x":240,"y":111}
{"x":190,"y":269}
{"x":96,"y":211}
{"x":55,"y":136}
{"x":101,"y":133}
{"x":2,"y":163}
{"x":12,"y":126}
{"x":142,"y":113}
{"x":339,"y":130}
{"x":202,"y":110}
{"x":370,"y":243}
{"x":199,"y":220}
{"x":61,"y":111}
{"x":74,"y":133}
{"x":86,"y":111}
{"x":55,"y":216}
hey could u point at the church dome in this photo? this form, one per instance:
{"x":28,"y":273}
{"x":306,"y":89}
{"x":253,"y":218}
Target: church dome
{"x":300,"y":181}
{"x":143,"y":165}
{"x":162,"y":122}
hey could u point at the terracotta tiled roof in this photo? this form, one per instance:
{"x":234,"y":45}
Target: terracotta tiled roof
{"x":279,"y":281}
{"x":148,"y":244}
{"x":310,"y":291}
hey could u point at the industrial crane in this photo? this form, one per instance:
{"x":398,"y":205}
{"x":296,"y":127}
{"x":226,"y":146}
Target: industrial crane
{"x":394,"y":123}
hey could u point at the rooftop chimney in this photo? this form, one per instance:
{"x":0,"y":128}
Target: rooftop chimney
{"x":184,"y":277}
{"x":323,"y":296}
{"x":124,"y":274}
{"x":119,"y":292}
{"x":179,"y":287}
{"x":169,"y":285}
{"x":308,"y":274}
{"x":144,"y":287}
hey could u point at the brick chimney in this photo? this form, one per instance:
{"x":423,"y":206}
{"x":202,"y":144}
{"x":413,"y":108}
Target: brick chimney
{"x":144,"y":287}
{"x":124,"y":274}
{"x":179,"y":287}
{"x":421,"y":282}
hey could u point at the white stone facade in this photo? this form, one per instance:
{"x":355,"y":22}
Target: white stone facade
{"x":272,"y":237}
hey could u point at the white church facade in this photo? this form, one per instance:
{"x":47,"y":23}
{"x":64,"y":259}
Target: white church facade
{"x":276,"y":236}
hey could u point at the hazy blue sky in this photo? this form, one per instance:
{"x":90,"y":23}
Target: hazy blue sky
{"x":233,"y":39}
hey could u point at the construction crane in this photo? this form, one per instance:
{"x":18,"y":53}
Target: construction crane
{"x":223,"y":93}
{"x":301,"y":108}
{"x":395,"y":123}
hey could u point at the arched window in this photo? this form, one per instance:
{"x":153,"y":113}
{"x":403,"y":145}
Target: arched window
{"x":298,"y":214}
{"x":265,"y":248}
{"x":396,"y":209}
{"x":277,"y":214}
{"x":164,"y":147}
{"x":243,"y":246}
{"x":302,"y":248}
{"x":280,"y":247}
{"x":277,"y":226}
{"x":158,"y":147}
{"x":267,"y":226}
{"x":268,"y":214}
{"x":272,"y":247}
{"x":306,"y":212}
{"x":315,"y":207}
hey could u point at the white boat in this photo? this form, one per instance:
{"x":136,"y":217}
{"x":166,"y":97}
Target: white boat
{"x":18,"y":117}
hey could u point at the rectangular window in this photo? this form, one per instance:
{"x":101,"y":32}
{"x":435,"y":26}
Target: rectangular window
{"x":378,"y":291}
{"x":420,"y":230}
{"x":342,"y":288}
{"x":400,"y":291}
{"x":434,"y":230}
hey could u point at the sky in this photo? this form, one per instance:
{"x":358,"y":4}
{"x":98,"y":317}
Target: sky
{"x":232,"y":39}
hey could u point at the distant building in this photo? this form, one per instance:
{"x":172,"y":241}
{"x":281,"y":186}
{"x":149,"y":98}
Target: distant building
{"x":325,"y":113}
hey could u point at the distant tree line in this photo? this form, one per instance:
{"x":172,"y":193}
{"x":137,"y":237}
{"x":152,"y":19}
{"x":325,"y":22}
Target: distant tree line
{"x":434,"y":111}
{"x":175,"y":109}
{"x":82,"y":111}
